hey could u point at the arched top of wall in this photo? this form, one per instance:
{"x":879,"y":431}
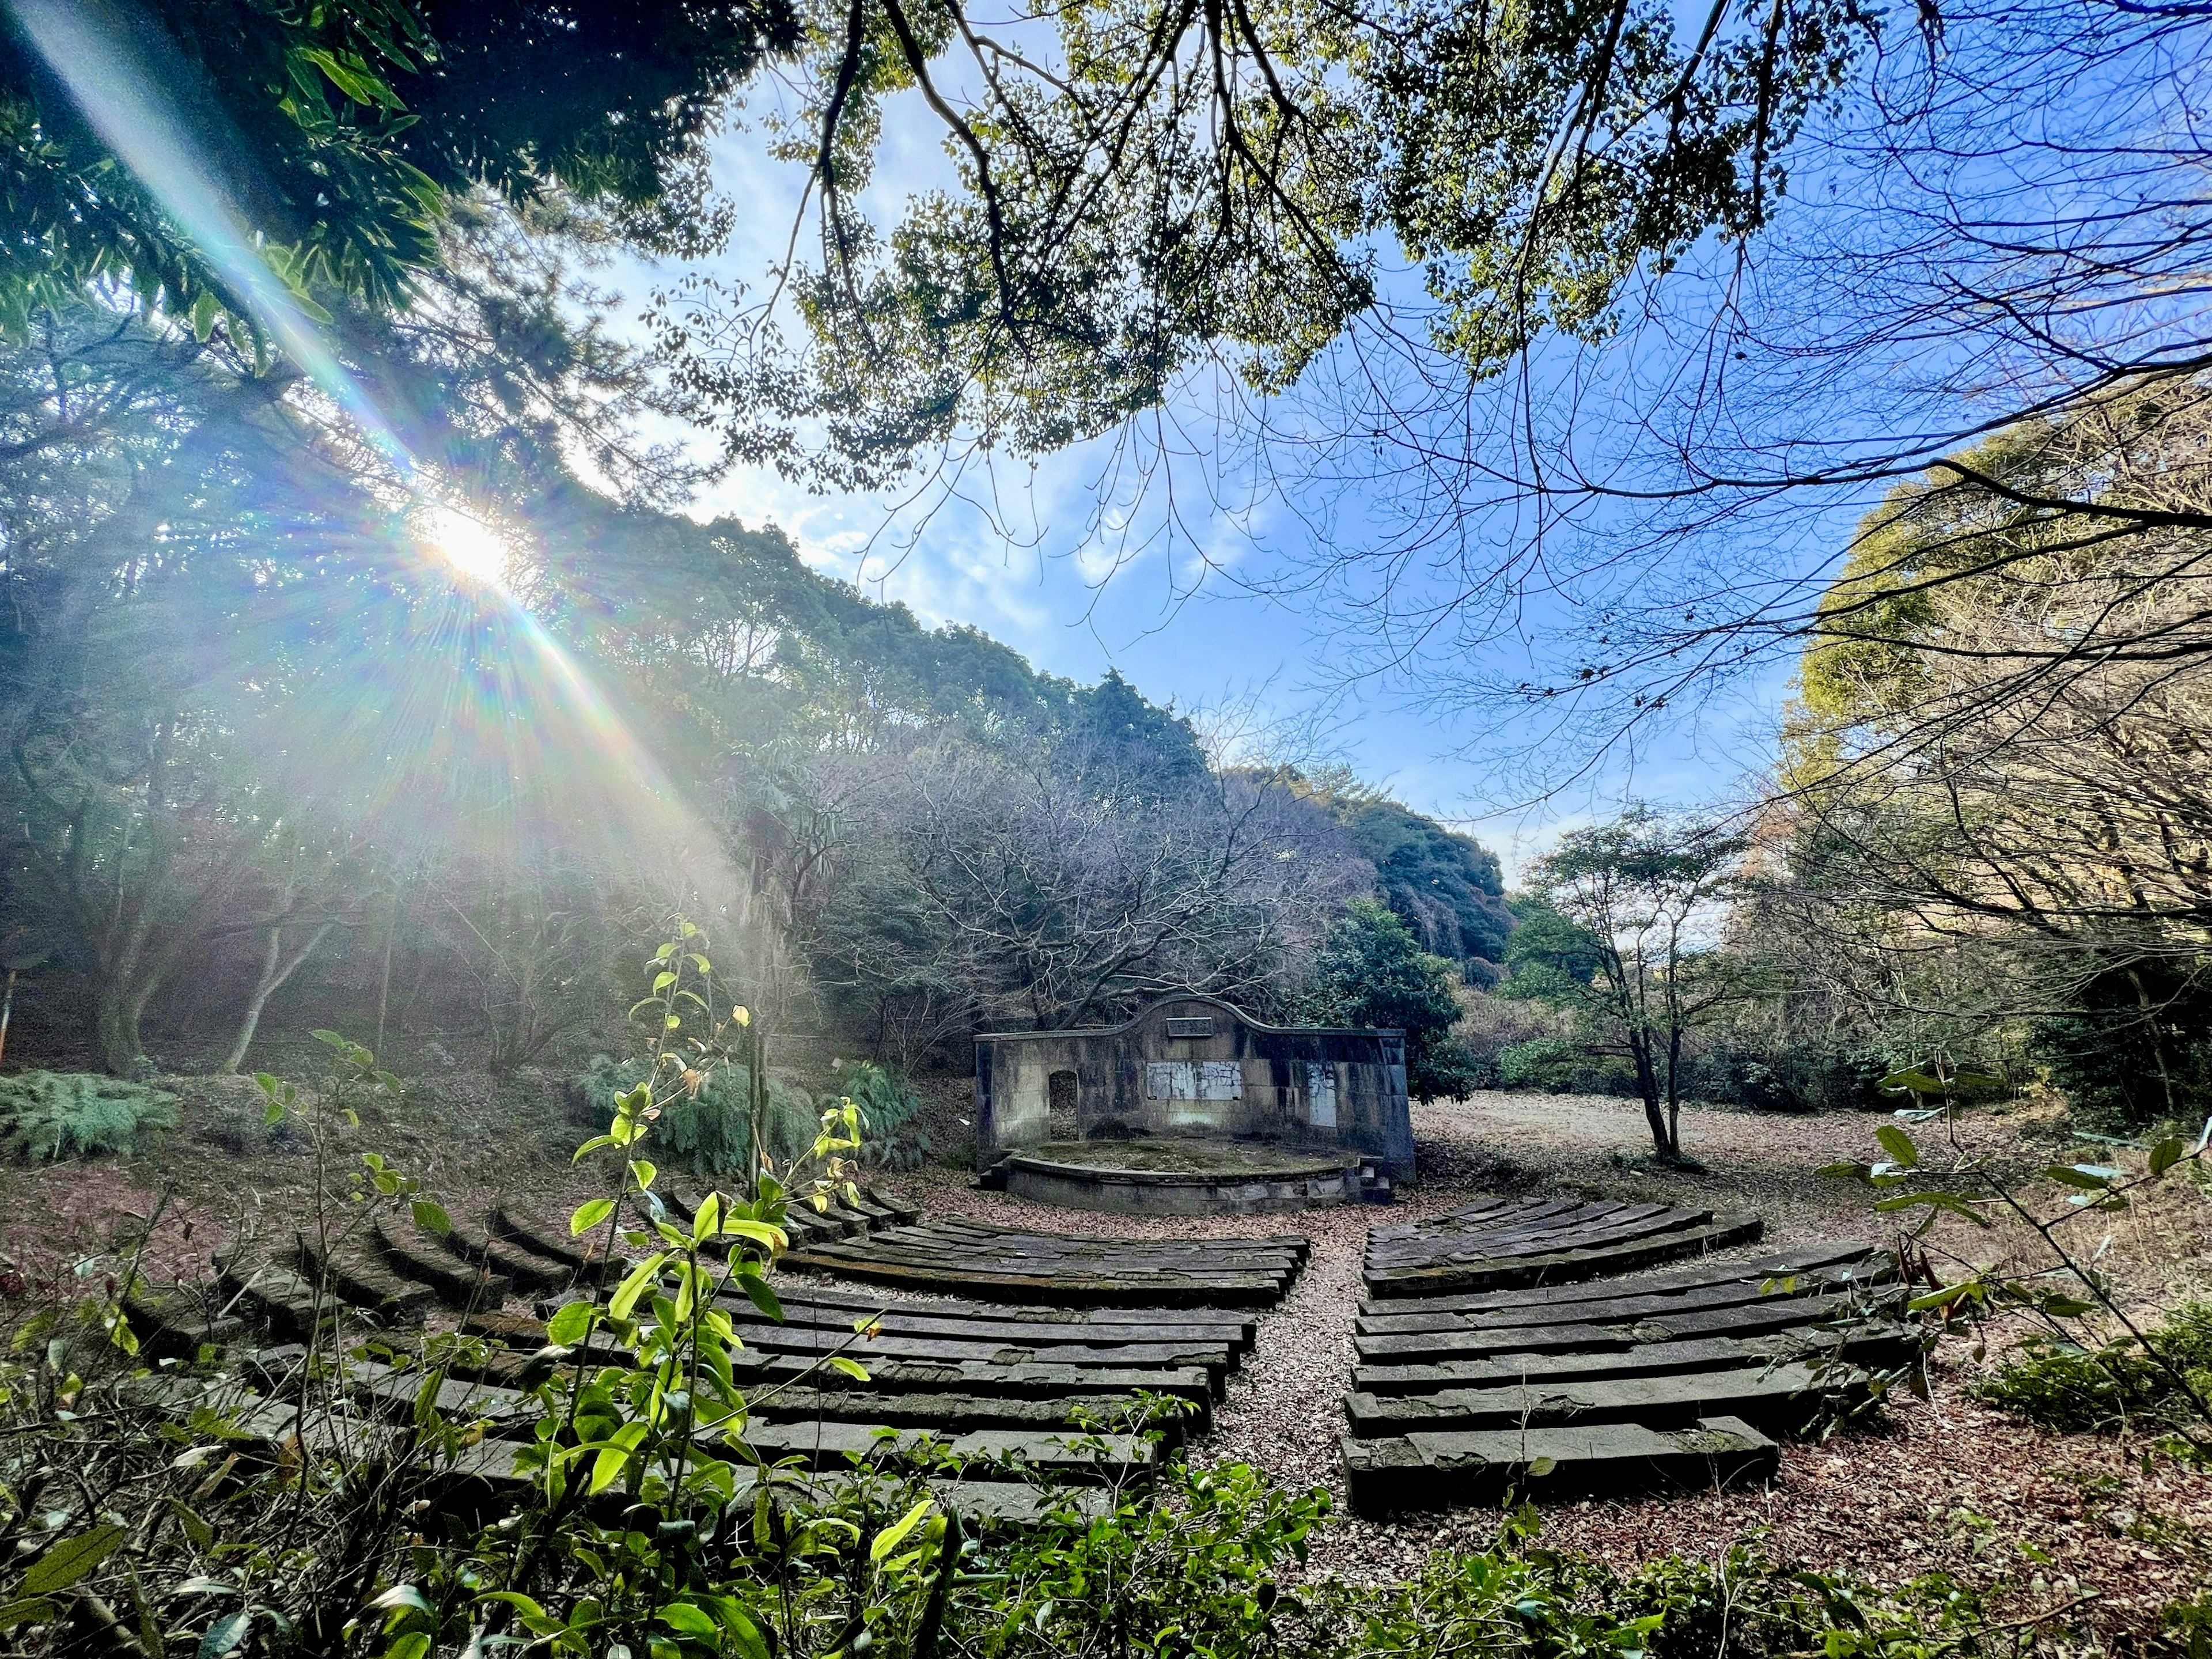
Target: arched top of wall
{"x":1155,"y":1008}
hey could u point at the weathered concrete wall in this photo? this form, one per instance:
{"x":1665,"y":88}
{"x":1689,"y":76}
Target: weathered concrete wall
{"x":1190,"y":1065}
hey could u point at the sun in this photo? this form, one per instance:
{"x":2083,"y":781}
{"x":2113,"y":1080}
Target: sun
{"x":475,"y":551}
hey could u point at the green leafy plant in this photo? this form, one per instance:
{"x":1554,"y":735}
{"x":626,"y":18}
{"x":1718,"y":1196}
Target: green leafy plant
{"x":2089,"y":1361}
{"x":46,"y":1115}
{"x":2069,"y":1388}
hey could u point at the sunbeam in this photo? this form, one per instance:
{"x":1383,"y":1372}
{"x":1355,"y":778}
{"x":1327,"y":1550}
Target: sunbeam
{"x":515,"y":698}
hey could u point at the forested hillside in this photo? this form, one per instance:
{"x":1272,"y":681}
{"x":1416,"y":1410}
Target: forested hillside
{"x":276,"y":763}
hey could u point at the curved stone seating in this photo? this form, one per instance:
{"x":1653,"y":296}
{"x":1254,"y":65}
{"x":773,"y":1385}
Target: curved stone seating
{"x":1502,"y":1244}
{"x":1005,"y":1389}
{"x":1673,"y":1379}
{"x":955,"y":1257}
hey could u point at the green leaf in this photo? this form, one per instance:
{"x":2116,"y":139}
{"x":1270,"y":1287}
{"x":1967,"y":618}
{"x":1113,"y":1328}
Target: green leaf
{"x":1950,"y":1201}
{"x":708,"y":1218}
{"x":71,"y":1559}
{"x":430,"y":1216}
{"x":2090,"y":1177}
{"x":357,"y":84}
{"x":643,"y":1173}
{"x":27,"y":1610}
{"x":663,"y":980}
{"x":1943,"y":1298}
{"x":762,"y":1296}
{"x":201,"y":1534}
{"x":851,"y":1367}
{"x":1899,"y":1145}
{"x":589,"y":1215}
{"x":2167,"y":1154}
{"x":759,"y":1231}
{"x":402,"y":1595}
{"x":1541,"y":1466}
{"x":686,"y":1620}
{"x":272,"y":1114}
{"x":614,"y":1457}
{"x":226,"y":1635}
{"x":1845,"y":1172}
{"x":751,"y":1644}
{"x":1914,"y":1079}
{"x":639,"y":1281}
{"x":569,"y":1323}
{"x":888,"y":1539}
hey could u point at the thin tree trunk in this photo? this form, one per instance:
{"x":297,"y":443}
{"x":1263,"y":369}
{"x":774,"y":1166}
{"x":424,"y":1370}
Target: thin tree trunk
{"x":384,"y":978}
{"x":274,"y":973}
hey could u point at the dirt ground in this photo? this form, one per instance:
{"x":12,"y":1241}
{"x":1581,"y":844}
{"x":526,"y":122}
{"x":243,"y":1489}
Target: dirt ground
{"x":2071,"y":1529}
{"x":2068,"y":1528}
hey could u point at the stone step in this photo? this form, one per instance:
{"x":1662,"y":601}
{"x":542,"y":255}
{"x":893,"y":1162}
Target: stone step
{"x":1878,"y":1345}
{"x":923,"y":1318}
{"x":459,"y":1284}
{"x":1624,"y":1308}
{"x":1783,"y":1397}
{"x":1720,"y":1233}
{"x":1092,"y":1385}
{"x":277,"y":1295}
{"x":1585,"y":1227}
{"x":488,"y":1468}
{"x":1745,"y":1320}
{"x":1865,"y":1266}
{"x":947,"y":1412}
{"x":537,"y":1238}
{"x":364,"y":1281}
{"x":394,"y":1392}
{"x":177,"y":1324}
{"x":1068,"y":1289}
{"x":904,"y":1212}
{"x":820,"y":1445}
{"x":1162,"y":1356}
{"x":523,"y":1268}
{"x":1434,"y":1471}
{"x":894,"y":1247}
{"x":1021,"y":1379}
{"x":1232,"y":1329}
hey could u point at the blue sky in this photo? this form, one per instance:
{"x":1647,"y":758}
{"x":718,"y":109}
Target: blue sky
{"x":1017,"y":551}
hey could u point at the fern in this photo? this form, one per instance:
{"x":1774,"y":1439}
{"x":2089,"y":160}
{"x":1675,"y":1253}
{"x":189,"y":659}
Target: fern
{"x":44,"y":1115}
{"x":887,"y":1103}
{"x":709,"y":1132}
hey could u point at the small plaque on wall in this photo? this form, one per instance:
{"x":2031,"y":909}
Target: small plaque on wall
{"x":1202,"y":1027}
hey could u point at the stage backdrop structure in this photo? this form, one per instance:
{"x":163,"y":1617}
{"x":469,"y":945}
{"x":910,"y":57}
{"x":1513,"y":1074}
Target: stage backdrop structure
{"x":1193,"y":1109}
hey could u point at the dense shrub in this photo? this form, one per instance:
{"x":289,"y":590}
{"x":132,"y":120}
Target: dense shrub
{"x":2135,"y":1049}
{"x":1561,"y":1066}
{"x":1371,"y":971}
{"x":2077,"y":1391}
{"x":45,"y":1115}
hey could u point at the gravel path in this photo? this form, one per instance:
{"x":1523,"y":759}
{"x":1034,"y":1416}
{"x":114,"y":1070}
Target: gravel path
{"x":1944,"y":1483}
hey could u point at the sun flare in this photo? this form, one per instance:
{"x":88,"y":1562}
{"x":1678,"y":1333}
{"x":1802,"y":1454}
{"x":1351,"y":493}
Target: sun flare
{"x":473,"y":549}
